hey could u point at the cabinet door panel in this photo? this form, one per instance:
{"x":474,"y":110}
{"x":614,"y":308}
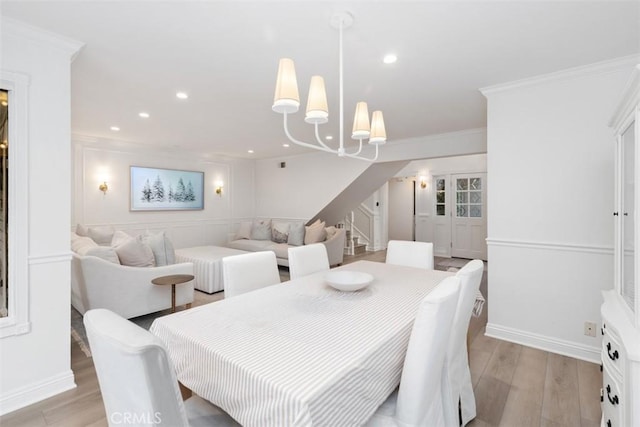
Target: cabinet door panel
{"x":628,"y":216}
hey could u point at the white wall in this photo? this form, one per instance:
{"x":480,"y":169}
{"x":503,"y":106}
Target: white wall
{"x":310,"y":181}
{"x":111,"y":161}
{"x":36,"y":364}
{"x":550,"y":180}
{"x":307,"y":184}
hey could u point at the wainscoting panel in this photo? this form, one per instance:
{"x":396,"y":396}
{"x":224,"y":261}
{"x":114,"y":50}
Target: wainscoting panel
{"x":541,"y":294}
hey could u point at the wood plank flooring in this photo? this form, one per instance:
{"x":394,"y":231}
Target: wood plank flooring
{"x":514,"y":385}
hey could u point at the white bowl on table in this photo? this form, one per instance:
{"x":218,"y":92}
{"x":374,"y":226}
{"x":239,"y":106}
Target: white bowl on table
{"x":347,"y":280}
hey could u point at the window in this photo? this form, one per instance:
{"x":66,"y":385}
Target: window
{"x":469,"y":197}
{"x":440,"y":197}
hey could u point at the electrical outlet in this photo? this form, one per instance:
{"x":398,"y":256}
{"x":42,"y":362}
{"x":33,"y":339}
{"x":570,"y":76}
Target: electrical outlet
{"x":590,"y":329}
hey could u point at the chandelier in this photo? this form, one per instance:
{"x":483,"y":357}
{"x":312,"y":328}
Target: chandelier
{"x":287,"y":101}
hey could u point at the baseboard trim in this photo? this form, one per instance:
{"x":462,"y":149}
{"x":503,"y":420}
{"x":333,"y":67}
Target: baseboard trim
{"x":542,"y":342}
{"x":27,"y":395}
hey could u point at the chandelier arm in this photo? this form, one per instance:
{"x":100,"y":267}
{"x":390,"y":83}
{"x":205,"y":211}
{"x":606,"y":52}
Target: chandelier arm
{"x":301,"y":143}
{"x":359,"y":149}
{"x":353,"y":156}
{"x":320,"y":140}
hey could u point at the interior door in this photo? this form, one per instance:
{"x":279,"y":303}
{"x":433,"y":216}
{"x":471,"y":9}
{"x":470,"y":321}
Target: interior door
{"x":401,"y":207}
{"x":442,"y":216}
{"x":469,"y":216}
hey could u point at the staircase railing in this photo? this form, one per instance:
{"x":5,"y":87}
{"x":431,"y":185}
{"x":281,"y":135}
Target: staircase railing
{"x":359,"y":227}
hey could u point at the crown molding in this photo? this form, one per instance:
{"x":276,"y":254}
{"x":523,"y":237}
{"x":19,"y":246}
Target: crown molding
{"x":570,"y":73}
{"x":20,"y":29}
{"x":628,"y":101}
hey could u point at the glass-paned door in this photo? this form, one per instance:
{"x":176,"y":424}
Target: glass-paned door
{"x":469,"y":224}
{"x":442,"y":216}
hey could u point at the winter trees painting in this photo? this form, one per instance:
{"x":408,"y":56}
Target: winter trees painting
{"x":161,"y":189}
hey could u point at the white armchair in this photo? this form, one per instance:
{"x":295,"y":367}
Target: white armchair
{"x":127,"y":291}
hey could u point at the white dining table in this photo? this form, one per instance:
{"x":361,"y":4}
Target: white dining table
{"x":300,"y":353}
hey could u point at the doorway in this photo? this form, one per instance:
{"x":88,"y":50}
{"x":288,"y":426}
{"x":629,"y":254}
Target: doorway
{"x":460,"y":215}
{"x":401,"y":209}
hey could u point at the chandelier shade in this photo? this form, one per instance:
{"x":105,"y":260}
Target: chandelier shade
{"x":286,"y":98}
{"x":361,"y":128}
{"x":378,"y":132}
{"x":317,"y":109}
{"x":287,"y":101}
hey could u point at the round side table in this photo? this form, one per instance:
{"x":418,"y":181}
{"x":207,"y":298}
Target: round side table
{"x":173,"y":280}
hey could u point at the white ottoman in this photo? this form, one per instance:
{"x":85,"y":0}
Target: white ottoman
{"x":207,"y":265}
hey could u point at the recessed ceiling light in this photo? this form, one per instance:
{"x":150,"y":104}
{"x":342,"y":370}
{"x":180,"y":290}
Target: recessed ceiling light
{"x":390,"y":58}
{"x":285,"y":145}
{"x":114,"y":128}
{"x":328,"y":137}
{"x":182,"y":95}
{"x":144,"y":115}
{"x":250,"y":151}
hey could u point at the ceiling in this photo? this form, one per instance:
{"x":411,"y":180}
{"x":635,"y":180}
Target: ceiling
{"x":224,"y":54}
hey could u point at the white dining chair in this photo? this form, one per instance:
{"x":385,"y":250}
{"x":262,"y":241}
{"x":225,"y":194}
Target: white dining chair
{"x":411,"y":254}
{"x":248,"y":272}
{"x":421,"y":399}
{"x":307,"y":259}
{"x":137,"y":380}
{"x":458,"y":374}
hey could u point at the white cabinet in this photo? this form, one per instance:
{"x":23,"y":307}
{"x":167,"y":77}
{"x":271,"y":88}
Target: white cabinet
{"x":621,"y":308}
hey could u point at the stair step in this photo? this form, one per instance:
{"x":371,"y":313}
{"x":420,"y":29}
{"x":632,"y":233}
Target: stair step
{"x":359,"y":249}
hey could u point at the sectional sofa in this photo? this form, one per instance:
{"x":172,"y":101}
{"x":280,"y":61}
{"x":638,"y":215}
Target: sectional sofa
{"x":279,"y":236}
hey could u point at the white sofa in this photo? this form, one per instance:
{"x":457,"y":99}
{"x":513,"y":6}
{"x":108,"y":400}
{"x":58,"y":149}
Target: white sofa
{"x":334,"y":244}
{"x":113,"y":270}
{"x":127,"y":291}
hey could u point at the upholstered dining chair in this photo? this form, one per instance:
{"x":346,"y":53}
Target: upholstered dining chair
{"x":308,"y":259}
{"x":137,"y":380}
{"x":458,"y":374}
{"x":421,"y":399}
{"x":411,"y":254}
{"x":248,"y":272}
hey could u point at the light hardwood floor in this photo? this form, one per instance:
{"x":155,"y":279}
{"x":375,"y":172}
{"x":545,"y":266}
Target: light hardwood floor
{"x":514,"y":385}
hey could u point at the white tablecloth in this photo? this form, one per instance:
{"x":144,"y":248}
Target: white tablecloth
{"x":207,"y":265}
{"x":300,"y":353}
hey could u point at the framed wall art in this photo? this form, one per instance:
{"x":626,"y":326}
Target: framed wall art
{"x":155,"y":189}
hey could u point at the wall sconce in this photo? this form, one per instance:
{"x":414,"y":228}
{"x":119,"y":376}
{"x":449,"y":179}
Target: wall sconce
{"x":219,"y":187}
{"x":423,"y":182}
{"x":103,"y":187}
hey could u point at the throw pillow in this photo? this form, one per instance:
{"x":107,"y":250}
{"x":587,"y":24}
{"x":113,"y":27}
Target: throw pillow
{"x":104,"y":252}
{"x":82,"y":244}
{"x":331,"y":231}
{"x":161,"y":246}
{"x":261,"y":229}
{"x":280,"y":232}
{"x":244,"y":232}
{"x":135,"y":254}
{"x":314,"y":233}
{"x":119,"y":238}
{"x":296,"y":234}
{"x":82,"y":230}
{"x":101,"y":235}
